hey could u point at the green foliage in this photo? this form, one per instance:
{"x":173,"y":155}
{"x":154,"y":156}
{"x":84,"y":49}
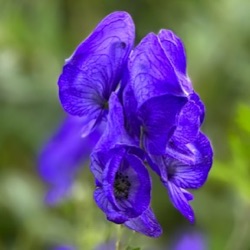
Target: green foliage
{"x":243,"y":117}
{"x":132,"y":248}
{"x":235,"y":171}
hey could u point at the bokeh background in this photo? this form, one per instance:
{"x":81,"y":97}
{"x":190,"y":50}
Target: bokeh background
{"x":35,"y":38}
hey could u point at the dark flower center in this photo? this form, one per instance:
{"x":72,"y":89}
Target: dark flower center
{"x":122,"y":186}
{"x":123,"y":45}
{"x":105,"y":105}
{"x":170,"y":166}
{"x":171,"y":172}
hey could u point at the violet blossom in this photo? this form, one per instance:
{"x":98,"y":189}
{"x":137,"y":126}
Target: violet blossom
{"x":152,"y":117}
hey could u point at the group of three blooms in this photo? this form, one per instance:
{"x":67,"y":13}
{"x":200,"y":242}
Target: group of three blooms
{"x":140,"y":107}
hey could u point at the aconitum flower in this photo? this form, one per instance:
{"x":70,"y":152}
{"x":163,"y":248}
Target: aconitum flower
{"x":65,"y":247}
{"x":95,"y":69}
{"x":88,"y":78}
{"x":188,"y":169}
{"x":62,"y":156}
{"x":175,"y":52}
{"x":157,"y":91}
{"x":123,"y":184}
{"x":170,"y":114}
{"x":190,"y":240}
{"x":151,"y":114}
{"x":161,"y":88}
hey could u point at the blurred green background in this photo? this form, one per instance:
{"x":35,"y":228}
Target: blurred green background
{"x":35,"y":38}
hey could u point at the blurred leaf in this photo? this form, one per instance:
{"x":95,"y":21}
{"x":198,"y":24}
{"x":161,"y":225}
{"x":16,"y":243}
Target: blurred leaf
{"x":243,"y":117}
{"x":132,"y":248}
{"x":234,"y":173}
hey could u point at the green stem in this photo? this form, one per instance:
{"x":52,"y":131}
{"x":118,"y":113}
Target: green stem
{"x":118,"y":239}
{"x":141,"y":137}
{"x":238,"y":237}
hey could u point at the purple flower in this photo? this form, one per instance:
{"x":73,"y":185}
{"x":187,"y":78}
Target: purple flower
{"x":175,"y":52}
{"x":193,"y":240}
{"x":60,"y":159}
{"x":170,"y":114}
{"x":188,"y":121}
{"x":95,"y":69}
{"x":123,"y":184}
{"x":157,"y":92}
{"x":151,"y":114}
{"x":64,"y":247}
{"x":186,"y":168}
{"x":151,"y":70}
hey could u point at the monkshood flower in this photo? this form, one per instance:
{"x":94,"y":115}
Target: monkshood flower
{"x":65,"y":247}
{"x":188,"y":169}
{"x":175,"y":52}
{"x":160,"y":88}
{"x":62,"y":155}
{"x":95,"y":69}
{"x":191,"y":240}
{"x":89,"y":76}
{"x":151,"y":115}
{"x":170,"y":114}
{"x":123,"y":184}
{"x":157,"y":92}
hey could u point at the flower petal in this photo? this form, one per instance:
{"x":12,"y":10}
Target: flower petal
{"x":95,"y":68}
{"x":195,"y":97}
{"x":58,"y":192}
{"x":191,"y":240}
{"x":185,"y":165}
{"x":180,"y":201}
{"x":60,"y":158}
{"x":140,"y":185}
{"x":98,"y":161}
{"x":132,"y":123}
{"x":188,"y":123}
{"x":145,"y":224}
{"x":194,"y":175}
{"x":159,"y":119}
{"x":64,"y":247}
{"x":113,"y":136}
{"x":175,"y":51}
{"x":104,"y":204}
{"x":115,"y":132}
{"x":152,"y":73}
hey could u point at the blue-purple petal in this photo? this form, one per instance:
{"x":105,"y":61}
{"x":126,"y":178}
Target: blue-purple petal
{"x":60,"y":159}
{"x":107,"y":207}
{"x":152,"y":73}
{"x":180,"y":200}
{"x":115,"y":132}
{"x":175,"y":51}
{"x":132,"y":123}
{"x":95,"y":68}
{"x":186,"y":175}
{"x":195,"y":97}
{"x":145,"y":224}
{"x":82,"y":90}
{"x":65,"y":247}
{"x":56,"y":193}
{"x":188,"y":123}
{"x":190,"y":240}
{"x":159,"y":118}
{"x":139,"y":194}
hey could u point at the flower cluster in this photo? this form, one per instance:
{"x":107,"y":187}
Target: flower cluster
{"x":143,"y":102}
